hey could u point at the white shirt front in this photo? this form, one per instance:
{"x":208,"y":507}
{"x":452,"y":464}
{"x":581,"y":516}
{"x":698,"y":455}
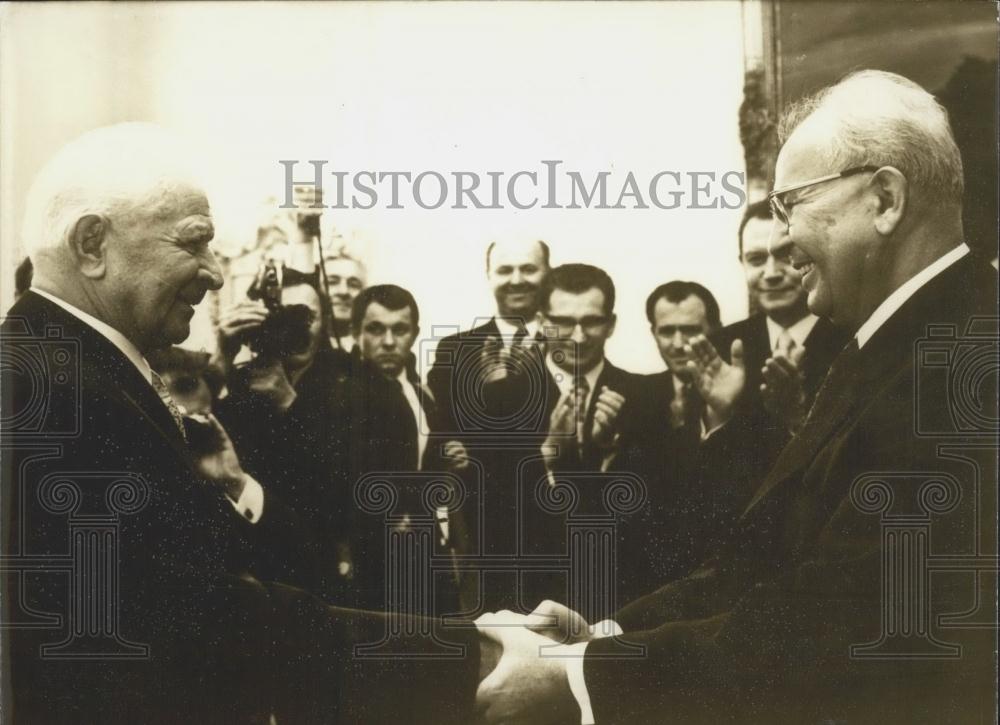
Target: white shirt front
{"x":508,"y":329}
{"x":410,"y":393}
{"x":798,"y":332}
{"x":564,"y":381}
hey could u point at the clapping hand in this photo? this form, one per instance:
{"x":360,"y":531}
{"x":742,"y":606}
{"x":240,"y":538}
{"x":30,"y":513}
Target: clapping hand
{"x":719,"y":383}
{"x":607,"y":408}
{"x":783,"y":391}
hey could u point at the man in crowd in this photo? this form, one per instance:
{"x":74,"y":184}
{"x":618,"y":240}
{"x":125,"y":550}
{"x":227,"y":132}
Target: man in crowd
{"x":787,"y":350}
{"x":171,"y":630}
{"x":596,"y":411}
{"x":471,"y":379}
{"x":280,"y":414}
{"x":389,"y":420}
{"x":678,"y":311}
{"x":797,"y":621}
{"x":345,"y":278}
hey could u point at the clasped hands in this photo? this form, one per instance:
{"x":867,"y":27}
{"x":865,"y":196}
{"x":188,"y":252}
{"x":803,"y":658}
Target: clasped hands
{"x":529,"y":683}
{"x":569,"y":411}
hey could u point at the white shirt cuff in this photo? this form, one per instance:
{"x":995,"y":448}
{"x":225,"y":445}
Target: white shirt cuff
{"x":574,"y":654}
{"x":251,"y":502}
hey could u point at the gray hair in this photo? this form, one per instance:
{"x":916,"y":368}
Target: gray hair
{"x":113,"y":172}
{"x":884,"y":119}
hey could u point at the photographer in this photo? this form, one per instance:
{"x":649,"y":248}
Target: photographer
{"x":282,"y":375}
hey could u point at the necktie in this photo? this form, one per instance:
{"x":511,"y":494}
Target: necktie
{"x":175,"y":412}
{"x":580,"y":390}
{"x":519,"y":336}
{"x":835,"y":382}
{"x":786,"y":344}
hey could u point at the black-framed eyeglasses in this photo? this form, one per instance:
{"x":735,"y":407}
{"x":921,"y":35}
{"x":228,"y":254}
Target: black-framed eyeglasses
{"x":564,"y":326}
{"x":777,"y":204}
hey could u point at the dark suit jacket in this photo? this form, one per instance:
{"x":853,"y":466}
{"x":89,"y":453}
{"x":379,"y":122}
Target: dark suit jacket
{"x":380,"y":436}
{"x":291,"y":451}
{"x":85,"y":435}
{"x":765,"y":634}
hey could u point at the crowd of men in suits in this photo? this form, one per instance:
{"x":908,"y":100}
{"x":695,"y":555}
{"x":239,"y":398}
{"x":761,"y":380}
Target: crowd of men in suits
{"x":250,"y":572}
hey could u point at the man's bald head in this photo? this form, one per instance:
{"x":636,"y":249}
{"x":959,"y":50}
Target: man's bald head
{"x":516,"y":268}
{"x":117,"y":226}
{"x":870,"y":180}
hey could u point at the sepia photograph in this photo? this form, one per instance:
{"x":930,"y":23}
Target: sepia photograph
{"x":499,"y":363}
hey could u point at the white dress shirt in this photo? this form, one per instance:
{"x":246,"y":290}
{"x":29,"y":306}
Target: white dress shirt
{"x":508,"y":329}
{"x":410,"y":393}
{"x":798,"y":332}
{"x":251,"y":502}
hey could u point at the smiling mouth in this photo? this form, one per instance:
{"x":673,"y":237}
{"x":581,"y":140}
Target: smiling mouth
{"x":803,"y":266}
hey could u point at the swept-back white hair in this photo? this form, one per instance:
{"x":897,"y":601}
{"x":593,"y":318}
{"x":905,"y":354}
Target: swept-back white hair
{"x":884,"y":119}
{"x":114,"y":172}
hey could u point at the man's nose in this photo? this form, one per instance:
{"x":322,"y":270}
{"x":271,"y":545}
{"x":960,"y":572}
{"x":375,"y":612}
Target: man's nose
{"x":516,"y":277}
{"x":678,"y":340}
{"x":773,"y":268}
{"x":210,"y":270}
{"x":389,"y":340}
{"x":338,"y":288}
{"x":578,"y":334}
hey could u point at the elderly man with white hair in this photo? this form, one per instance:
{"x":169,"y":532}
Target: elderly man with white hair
{"x":860,"y":583}
{"x":126,"y":596}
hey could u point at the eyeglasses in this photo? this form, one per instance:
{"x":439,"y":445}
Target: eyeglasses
{"x":781,"y":211}
{"x":564,"y":326}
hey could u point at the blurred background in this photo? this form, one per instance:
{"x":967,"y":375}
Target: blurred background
{"x":640,"y":87}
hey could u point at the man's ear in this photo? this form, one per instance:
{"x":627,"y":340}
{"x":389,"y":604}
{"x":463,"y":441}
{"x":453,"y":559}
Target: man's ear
{"x":614,"y":322}
{"x":88,"y":241}
{"x":892,"y":191}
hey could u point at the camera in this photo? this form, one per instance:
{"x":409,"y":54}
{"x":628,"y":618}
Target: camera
{"x":41,"y":382}
{"x":967,"y":367}
{"x":285,"y":331}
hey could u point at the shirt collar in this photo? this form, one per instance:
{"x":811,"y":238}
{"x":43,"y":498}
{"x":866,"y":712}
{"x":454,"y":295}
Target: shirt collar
{"x":508,"y":329}
{"x":799,"y":331}
{"x":113,"y":336}
{"x":905,"y":291}
{"x":564,"y":381}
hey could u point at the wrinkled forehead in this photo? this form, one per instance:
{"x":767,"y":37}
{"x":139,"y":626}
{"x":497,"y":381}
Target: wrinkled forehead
{"x":170,"y":201}
{"x":804,"y":155}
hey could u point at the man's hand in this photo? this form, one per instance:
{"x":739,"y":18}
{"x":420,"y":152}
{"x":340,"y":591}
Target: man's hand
{"x":719,"y":383}
{"x":782,"y":390}
{"x":559,"y":623}
{"x":562,"y":427}
{"x":606,"y":410}
{"x":270,"y":381}
{"x":529,"y":684}
{"x":455,"y":455}
{"x":234,"y":324}
{"x":492,"y":359}
{"x":221,"y":466}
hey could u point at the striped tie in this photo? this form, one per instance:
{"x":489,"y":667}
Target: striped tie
{"x":175,"y":412}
